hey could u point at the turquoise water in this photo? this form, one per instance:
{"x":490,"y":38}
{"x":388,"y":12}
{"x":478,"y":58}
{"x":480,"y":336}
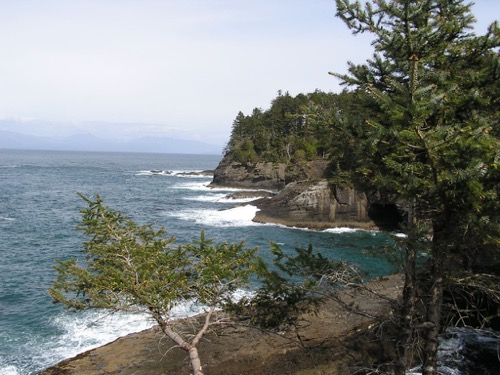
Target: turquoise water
{"x":39,"y":210}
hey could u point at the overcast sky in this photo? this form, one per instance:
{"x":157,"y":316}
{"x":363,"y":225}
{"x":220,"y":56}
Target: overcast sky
{"x":178,"y":68}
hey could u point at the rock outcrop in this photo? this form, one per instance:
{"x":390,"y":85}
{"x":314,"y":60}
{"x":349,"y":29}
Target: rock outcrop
{"x":304,"y":197}
{"x":266,"y":175}
{"x":315,"y":205}
{"x":262,"y":175}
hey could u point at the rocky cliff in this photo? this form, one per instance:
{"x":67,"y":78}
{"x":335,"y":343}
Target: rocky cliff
{"x":266,"y":175}
{"x":262,"y":175}
{"x":304,"y":198}
{"x":315,"y":205}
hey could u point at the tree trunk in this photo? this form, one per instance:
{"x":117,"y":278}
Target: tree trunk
{"x":191,"y":349}
{"x":195,"y":361}
{"x":433,"y":321}
{"x":405,"y":340}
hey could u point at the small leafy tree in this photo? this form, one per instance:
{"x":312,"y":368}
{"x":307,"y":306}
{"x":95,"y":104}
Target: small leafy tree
{"x":131,"y":267}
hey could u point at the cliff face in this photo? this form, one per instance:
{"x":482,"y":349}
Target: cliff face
{"x":315,"y":205}
{"x":262,"y":175}
{"x":265,"y":175}
{"x":304,"y":198}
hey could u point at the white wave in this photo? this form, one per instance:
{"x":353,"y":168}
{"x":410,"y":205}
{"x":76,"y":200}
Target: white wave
{"x":237,"y":200}
{"x":9,"y":370}
{"x":341,"y":230}
{"x":94,"y":328}
{"x":177,"y":173}
{"x":192,"y":185}
{"x":153,"y":173}
{"x":191,"y":174}
{"x":205,"y":186}
{"x":240,"y":216}
{"x":399,"y":235}
{"x":218,"y":198}
{"x":207,"y":198}
{"x":229,"y":189}
{"x":7,"y":218}
{"x":89,"y":330}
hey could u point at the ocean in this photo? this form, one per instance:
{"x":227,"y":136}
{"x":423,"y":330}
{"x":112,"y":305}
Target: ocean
{"x":39,"y":210}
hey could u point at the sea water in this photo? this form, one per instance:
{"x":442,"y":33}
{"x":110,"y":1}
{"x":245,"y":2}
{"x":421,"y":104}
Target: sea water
{"x":39,"y":210}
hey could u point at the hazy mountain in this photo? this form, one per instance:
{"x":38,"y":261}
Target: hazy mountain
{"x":88,"y":142}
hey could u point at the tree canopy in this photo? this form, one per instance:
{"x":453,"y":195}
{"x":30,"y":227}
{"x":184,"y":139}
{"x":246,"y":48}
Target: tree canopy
{"x":290,"y":130}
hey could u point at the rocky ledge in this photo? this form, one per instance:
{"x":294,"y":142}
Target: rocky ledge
{"x":332,"y":341}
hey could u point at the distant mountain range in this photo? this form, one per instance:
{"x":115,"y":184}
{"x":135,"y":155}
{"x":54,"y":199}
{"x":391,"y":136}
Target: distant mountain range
{"x":88,"y":142}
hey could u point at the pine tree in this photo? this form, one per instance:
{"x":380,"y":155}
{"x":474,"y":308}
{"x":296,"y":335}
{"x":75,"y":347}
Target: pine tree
{"x":434,"y":82}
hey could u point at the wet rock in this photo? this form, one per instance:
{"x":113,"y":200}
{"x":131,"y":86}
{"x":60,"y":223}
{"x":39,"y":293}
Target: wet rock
{"x":305,"y":198}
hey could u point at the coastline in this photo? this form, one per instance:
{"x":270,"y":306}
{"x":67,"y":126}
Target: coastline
{"x":321,"y":343}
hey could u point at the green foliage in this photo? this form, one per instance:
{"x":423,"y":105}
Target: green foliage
{"x":244,"y":152}
{"x":288,"y":127}
{"x":434,"y":132}
{"x":293,"y":285}
{"x":131,"y":267}
{"x":125,"y":265}
{"x":135,"y":268}
{"x":433,"y":85}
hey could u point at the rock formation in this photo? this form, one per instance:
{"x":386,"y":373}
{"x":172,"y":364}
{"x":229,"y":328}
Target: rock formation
{"x":261,"y":175}
{"x":315,"y":204}
{"x":304,"y":197}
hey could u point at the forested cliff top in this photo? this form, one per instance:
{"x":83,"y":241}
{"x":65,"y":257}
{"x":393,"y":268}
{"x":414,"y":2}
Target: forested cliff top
{"x":295,"y":130}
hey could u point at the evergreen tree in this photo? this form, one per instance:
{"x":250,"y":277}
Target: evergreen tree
{"x":131,"y":267}
{"x":437,"y":137}
{"x":291,"y":129}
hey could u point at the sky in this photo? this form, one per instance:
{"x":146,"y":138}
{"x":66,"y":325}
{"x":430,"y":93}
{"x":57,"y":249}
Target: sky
{"x":120,"y":69}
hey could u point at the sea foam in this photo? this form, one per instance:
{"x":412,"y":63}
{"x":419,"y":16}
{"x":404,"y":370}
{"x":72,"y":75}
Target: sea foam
{"x":9,"y":370}
{"x":240,"y":216}
{"x":4,"y":218}
{"x":218,"y":198}
{"x":341,"y":230}
{"x":176,"y":173}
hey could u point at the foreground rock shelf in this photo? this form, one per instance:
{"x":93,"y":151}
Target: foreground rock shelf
{"x":327,"y":343}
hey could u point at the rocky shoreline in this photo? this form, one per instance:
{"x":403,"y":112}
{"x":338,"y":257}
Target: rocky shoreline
{"x":332,"y":341}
